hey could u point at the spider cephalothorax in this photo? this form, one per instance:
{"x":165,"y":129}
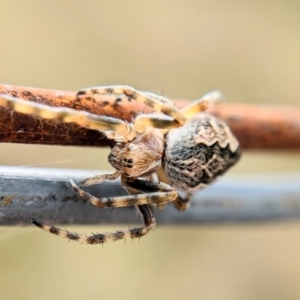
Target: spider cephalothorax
{"x":140,"y":157}
{"x":192,"y":151}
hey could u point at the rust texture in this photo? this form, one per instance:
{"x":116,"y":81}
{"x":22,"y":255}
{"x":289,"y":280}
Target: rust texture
{"x":256,"y":126}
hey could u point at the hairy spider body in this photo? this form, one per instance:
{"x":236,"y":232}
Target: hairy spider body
{"x":141,"y":157}
{"x":199,"y":152}
{"x":192,"y":151}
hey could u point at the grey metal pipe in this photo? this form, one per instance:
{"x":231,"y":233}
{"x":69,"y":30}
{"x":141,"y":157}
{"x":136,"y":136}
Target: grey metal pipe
{"x":46,"y":195}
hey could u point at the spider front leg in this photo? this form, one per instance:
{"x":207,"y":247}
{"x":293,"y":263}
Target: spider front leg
{"x":159,"y":103}
{"x":159,"y":97}
{"x":113,"y":128}
{"x":144,"y":210}
{"x":99,"y":178}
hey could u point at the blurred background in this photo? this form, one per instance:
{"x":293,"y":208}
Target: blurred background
{"x":248,"y":49}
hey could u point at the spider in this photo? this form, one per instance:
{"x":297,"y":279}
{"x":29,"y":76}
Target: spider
{"x":192,"y":151}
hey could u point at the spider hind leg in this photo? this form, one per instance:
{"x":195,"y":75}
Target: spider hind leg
{"x":141,"y":192}
{"x":202,"y":104}
{"x":101,"y":238}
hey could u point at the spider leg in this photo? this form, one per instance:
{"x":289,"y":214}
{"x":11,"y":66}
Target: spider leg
{"x":181,"y":203}
{"x":141,"y":192}
{"x":145,"y":211}
{"x":158,"y":97}
{"x":159,"y":103}
{"x":155,"y":120}
{"x":99,"y":178}
{"x":154,"y":177}
{"x":202,"y":104}
{"x":115,"y":128}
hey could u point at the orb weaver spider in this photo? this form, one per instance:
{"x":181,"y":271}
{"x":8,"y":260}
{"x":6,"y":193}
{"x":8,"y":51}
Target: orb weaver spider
{"x":192,"y":150}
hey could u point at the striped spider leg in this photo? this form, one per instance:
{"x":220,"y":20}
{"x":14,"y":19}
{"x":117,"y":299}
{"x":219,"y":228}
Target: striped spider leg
{"x":144,"y":210}
{"x":157,"y":193}
{"x":192,"y":152}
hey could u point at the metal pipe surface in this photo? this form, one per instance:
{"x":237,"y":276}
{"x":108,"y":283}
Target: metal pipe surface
{"x":46,"y":195}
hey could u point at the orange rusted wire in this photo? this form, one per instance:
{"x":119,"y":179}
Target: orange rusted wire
{"x":256,"y":126}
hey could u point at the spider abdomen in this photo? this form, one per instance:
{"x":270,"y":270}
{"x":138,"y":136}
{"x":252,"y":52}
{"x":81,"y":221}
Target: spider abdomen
{"x":199,"y":152}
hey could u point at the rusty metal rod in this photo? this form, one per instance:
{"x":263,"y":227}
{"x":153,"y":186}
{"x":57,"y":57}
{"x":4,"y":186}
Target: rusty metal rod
{"x":256,"y":126}
{"x":45,"y":194}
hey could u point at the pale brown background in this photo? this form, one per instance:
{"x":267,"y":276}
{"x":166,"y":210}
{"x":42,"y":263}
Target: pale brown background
{"x":248,"y":49}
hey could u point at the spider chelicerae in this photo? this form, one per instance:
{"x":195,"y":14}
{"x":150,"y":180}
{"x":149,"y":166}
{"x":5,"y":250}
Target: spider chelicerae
{"x":192,"y":151}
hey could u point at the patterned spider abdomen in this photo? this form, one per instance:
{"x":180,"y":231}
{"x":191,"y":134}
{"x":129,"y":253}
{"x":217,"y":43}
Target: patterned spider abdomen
{"x":199,"y":152}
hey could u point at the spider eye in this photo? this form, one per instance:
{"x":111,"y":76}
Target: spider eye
{"x":127,"y":163}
